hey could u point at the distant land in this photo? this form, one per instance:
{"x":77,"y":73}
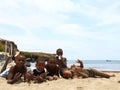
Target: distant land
{"x":10,"y":47}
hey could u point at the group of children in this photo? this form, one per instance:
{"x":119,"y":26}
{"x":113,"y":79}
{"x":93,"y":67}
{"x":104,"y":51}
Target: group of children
{"x":55,"y":68}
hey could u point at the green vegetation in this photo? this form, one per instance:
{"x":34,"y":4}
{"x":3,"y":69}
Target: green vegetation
{"x":2,"y":47}
{"x":37,"y":54}
{"x":32,"y":56}
{"x":27,"y":54}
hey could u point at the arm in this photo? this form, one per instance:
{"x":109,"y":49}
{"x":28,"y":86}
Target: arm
{"x":83,"y":75}
{"x":57,"y":71}
{"x":64,"y":61}
{"x":81,"y":63}
{"x":24,"y":75}
{"x":7,"y":60}
{"x":6,"y":63}
{"x":12,"y":78}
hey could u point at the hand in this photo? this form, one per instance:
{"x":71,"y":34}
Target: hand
{"x":50,"y":78}
{"x":39,"y":78}
{"x":44,"y":75}
{"x":17,"y":53}
{"x":28,"y":77}
{"x":8,"y":55}
{"x":79,"y":61}
{"x":17,"y":76}
{"x":55,"y":77}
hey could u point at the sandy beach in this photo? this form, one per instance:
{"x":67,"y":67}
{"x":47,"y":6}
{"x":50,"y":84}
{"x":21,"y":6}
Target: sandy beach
{"x":64,"y":84}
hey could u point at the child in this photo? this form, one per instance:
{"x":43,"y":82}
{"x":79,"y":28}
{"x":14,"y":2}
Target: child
{"x":79,"y":71}
{"x":8,"y":57}
{"x":39,"y":74}
{"x":62,"y":63}
{"x":66,"y":73}
{"x":52,"y":68}
{"x":17,"y":71}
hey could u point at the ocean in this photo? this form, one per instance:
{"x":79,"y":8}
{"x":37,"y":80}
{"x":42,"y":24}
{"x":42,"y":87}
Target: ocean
{"x":103,"y":65}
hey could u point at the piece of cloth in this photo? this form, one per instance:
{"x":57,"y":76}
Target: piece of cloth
{"x":4,"y":73}
{"x":91,"y":72}
{"x":37,"y":72}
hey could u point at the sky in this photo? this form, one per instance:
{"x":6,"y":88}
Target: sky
{"x":84,"y":29}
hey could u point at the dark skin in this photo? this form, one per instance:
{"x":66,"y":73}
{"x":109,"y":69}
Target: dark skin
{"x":40,"y":65}
{"x":65,"y":72}
{"x":8,"y":57}
{"x":79,"y":71}
{"x":52,"y":68}
{"x":59,"y":53}
{"x":17,"y":71}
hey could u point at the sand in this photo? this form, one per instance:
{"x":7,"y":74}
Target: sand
{"x":64,"y":84}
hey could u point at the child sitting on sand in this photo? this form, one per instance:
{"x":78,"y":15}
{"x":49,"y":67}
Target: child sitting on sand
{"x":39,"y":74}
{"x":53,"y":69}
{"x":17,"y":71}
{"x":62,"y":63}
{"x":79,"y":71}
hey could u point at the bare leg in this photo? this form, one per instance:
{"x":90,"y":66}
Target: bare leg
{"x":101,"y":74}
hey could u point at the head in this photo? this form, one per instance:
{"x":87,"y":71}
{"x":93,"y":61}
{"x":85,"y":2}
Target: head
{"x":66,"y":73}
{"x":73,"y":67}
{"x":52,"y":62}
{"x":40,"y":64}
{"x":20,"y":60}
{"x":59,"y":52}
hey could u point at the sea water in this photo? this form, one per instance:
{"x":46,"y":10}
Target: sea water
{"x":104,"y":65}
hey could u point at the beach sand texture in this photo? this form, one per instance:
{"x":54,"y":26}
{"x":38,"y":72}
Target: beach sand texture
{"x":64,"y":84}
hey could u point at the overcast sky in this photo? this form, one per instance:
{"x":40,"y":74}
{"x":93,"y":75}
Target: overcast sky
{"x":85,"y":29}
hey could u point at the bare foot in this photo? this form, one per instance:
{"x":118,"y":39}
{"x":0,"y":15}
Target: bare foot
{"x":118,"y":81}
{"x":112,"y":75}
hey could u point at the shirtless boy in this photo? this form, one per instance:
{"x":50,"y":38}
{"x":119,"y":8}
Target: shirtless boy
{"x":80,"y":71}
{"x":62,"y":63}
{"x":52,"y":68}
{"x":17,"y":71}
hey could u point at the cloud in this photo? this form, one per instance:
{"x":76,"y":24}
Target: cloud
{"x":104,"y":12}
{"x":76,"y":26}
{"x":75,"y":30}
{"x":35,"y":14}
{"x":56,"y":6}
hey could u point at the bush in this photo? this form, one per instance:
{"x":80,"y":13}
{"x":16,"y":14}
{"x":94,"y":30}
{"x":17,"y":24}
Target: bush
{"x":2,"y":47}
